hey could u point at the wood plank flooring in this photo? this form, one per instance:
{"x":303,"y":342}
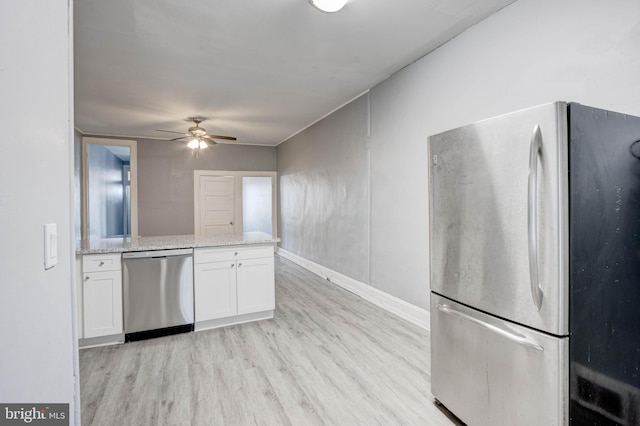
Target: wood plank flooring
{"x":327,"y":358}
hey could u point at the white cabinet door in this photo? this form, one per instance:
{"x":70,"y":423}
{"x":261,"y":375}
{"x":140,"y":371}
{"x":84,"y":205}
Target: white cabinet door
{"x":256,"y":287}
{"x":215,"y":290}
{"x":102,"y":303}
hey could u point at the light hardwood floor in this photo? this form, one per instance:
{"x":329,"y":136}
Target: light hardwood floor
{"x":327,"y":358}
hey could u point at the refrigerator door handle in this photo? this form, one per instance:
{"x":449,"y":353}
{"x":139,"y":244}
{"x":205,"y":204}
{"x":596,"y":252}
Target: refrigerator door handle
{"x":532,"y":217}
{"x":514,"y":337}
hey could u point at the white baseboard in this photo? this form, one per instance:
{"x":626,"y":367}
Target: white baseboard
{"x":238,"y":319}
{"x":95,"y":342}
{"x":404,"y":310}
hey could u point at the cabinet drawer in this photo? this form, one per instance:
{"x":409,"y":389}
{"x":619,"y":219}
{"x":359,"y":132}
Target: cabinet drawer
{"x":206,"y":255}
{"x":255,"y":252}
{"x":101,"y":262}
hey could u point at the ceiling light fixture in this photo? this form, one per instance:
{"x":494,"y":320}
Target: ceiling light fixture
{"x":193,"y":143}
{"x":328,"y":6}
{"x":197,"y":144}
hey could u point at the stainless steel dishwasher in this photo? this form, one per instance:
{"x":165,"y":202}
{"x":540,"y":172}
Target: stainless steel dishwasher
{"x":158,"y":293}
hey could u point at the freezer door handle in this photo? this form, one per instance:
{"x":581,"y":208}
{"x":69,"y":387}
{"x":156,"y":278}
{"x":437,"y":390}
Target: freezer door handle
{"x":511,"y":335}
{"x":532,"y":217}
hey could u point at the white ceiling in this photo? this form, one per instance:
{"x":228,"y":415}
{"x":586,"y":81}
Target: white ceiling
{"x":258,"y":70}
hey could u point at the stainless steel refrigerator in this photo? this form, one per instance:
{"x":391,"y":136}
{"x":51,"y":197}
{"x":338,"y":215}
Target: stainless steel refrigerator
{"x":535,"y":268}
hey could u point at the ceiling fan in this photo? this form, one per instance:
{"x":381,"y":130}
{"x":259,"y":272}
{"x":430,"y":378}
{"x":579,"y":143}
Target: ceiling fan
{"x":199,"y":138}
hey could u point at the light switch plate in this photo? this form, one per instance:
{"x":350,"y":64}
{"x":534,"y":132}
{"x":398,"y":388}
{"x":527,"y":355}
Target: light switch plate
{"x":50,"y":245}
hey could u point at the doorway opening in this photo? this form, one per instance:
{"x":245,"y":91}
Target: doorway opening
{"x":257,"y":200}
{"x":109,"y":177}
{"x":235,"y":202}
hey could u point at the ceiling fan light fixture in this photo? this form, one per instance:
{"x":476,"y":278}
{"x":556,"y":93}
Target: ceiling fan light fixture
{"x":329,"y":6}
{"x":193,"y":143}
{"x":197,"y":136}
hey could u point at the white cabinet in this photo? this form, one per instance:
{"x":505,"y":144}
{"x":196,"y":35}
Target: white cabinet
{"x":255,"y":285}
{"x":101,"y":295}
{"x":215,"y":290}
{"x":231,"y":282}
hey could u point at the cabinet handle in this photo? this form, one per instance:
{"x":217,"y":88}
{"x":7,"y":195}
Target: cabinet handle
{"x":239,"y":265}
{"x":232,"y":265}
{"x":86,"y":278}
{"x":101,"y":264}
{"x":231,"y":223}
{"x":235,"y":254}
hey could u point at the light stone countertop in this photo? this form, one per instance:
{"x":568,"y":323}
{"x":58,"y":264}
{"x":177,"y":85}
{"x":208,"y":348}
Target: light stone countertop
{"x":120,"y":245}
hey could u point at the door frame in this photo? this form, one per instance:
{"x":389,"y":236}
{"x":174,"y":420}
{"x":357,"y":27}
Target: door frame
{"x":237,"y":195}
{"x":133,"y":169}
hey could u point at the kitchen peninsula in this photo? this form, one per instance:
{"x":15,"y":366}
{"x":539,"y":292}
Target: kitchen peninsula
{"x":120,"y":245}
{"x":233,"y":281}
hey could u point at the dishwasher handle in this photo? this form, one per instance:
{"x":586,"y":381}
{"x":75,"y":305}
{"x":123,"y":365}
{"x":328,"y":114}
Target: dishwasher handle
{"x":156,"y":253}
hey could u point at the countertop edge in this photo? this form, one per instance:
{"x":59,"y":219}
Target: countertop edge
{"x":129,"y":247}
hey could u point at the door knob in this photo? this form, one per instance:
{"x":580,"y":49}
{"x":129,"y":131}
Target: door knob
{"x":101,"y":264}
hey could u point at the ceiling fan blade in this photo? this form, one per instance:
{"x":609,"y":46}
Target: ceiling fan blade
{"x":226,"y":138}
{"x":169,"y":131}
{"x":177,"y":139}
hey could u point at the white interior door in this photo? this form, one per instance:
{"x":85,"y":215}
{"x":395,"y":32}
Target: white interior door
{"x":216,"y":205}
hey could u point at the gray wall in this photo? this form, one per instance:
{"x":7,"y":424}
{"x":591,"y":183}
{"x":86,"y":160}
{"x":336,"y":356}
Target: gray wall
{"x":165,"y":180}
{"x":38,"y":359}
{"x":323,"y":191}
{"x":531,"y":52}
{"x":106,"y":199}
